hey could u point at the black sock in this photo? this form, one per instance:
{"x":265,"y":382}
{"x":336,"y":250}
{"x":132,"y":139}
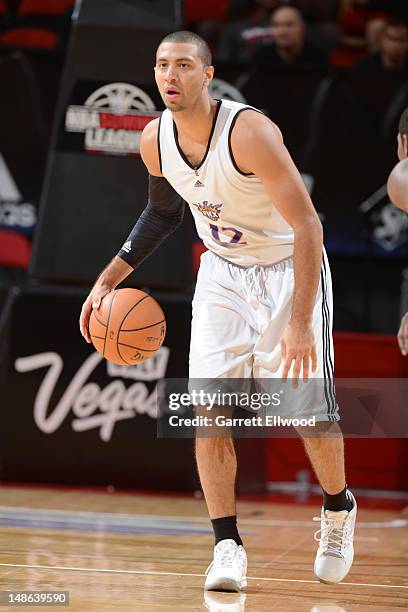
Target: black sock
{"x":225,"y":528}
{"x":337,"y":502}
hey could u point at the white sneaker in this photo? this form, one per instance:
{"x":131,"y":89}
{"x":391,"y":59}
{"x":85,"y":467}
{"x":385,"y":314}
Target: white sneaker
{"x":227,"y":572}
{"x":336,"y":552}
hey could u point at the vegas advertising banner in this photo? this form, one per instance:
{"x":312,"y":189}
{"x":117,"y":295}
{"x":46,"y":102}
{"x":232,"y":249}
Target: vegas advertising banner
{"x":68,"y":415}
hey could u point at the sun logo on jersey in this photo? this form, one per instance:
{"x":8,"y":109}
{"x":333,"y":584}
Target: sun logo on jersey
{"x":211,"y":211}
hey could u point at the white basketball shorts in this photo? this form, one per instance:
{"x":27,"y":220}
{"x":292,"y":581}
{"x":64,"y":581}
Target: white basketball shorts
{"x":239,"y":316}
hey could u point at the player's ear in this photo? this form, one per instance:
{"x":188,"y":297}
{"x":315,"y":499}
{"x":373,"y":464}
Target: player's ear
{"x":208,"y":75}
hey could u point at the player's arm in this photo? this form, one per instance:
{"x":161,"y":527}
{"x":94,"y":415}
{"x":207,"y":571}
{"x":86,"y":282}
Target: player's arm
{"x":403,"y":335}
{"x":398,"y":185}
{"x":258,"y":147}
{"x":163,"y":213}
{"x":398,"y":191}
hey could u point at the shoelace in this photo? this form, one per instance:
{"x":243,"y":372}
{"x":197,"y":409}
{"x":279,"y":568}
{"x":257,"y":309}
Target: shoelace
{"x":224,"y":560}
{"x":332,"y":535}
{"x":227,"y":557}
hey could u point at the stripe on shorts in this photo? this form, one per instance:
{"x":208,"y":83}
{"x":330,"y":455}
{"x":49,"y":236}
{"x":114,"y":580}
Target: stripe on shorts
{"x":331,"y":364}
{"x":327,"y":358}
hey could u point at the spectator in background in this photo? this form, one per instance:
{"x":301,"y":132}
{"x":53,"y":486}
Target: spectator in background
{"x":393,"y":53}
{"x":320,"y":17}
{"x":289,"y":46}
{"x":239,"y":39}
{"x":375,"y":29}
{"x":373,"y":16}
{"x":362,"y":28}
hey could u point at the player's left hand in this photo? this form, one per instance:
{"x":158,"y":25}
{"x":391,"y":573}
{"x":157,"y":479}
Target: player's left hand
{"x":403,"y":335}
{"x":298,"y":347}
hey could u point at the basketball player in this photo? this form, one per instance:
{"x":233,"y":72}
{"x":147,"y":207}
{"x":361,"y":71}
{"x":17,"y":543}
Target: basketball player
{"x":398,"y":192}
{"x":263,"y":300}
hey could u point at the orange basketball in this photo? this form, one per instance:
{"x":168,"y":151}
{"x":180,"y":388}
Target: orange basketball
{"x":128,"y":327}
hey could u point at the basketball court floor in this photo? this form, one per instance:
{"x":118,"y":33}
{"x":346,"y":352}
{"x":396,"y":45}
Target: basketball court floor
{"x":120,"y":551}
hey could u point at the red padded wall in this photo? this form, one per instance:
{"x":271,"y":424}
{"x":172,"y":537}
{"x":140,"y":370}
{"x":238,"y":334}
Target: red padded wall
{"x":371,"y":463}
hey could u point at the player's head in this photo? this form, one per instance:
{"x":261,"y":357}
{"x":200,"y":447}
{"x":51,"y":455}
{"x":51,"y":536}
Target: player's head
{"x":403,"y":135}
{"x":183,"y":69}
{"x":288,"y":27}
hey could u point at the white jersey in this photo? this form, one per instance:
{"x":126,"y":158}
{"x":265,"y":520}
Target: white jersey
{"x":234,"y":216}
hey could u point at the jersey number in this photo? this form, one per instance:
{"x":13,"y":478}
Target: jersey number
{"x":236,"y":235}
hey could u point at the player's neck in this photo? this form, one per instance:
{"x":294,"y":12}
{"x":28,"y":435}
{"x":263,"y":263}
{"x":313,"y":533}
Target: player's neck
{"x":196,"y":122}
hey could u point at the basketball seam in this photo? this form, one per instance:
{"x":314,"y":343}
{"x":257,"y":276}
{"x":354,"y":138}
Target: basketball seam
{"x":100,"y":322}
{"x":120,"y":355}
{"x":98,"y":337}
{"x":146,"y":326}
{"x":107,"y":323}
{"x":120,"y":326}
{"x":137,"y":348}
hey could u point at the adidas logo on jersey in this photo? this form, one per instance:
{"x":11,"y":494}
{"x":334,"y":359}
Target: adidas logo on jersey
{"x":127,"y":247}
{"x":199,"y":184}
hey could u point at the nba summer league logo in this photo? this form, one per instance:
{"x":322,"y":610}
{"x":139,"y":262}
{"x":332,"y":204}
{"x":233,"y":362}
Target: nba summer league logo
{"x":112,"y":119}
{"x":109,"y":118}
{"x":94,"y":406}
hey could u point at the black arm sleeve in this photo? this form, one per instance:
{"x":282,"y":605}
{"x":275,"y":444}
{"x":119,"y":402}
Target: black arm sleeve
{"x":162,"y":215}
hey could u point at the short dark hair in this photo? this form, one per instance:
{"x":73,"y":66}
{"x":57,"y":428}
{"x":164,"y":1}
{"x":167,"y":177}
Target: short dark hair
{"x":403,"y":123}
{"x":183,"y":36}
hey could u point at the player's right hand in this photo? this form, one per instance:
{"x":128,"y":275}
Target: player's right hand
{"x":93,"y":300}
{"x":298,"y":347}
{"x":403,"y":335}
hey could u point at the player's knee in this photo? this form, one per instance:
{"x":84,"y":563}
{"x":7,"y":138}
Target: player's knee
{"x":321,"y":430}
